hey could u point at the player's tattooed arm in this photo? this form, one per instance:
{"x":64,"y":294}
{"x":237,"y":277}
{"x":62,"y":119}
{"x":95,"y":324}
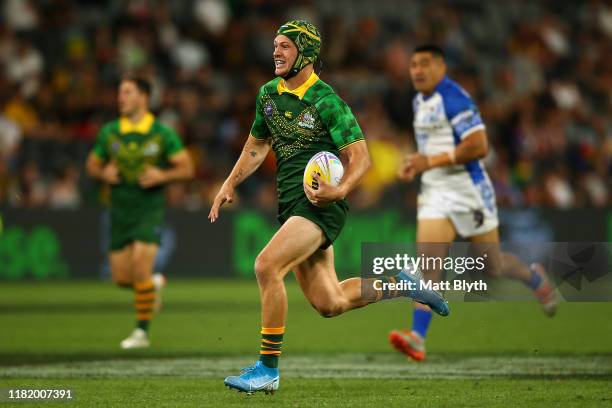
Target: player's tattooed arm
{"x":238,"y":175}
{"x":253,"y":154}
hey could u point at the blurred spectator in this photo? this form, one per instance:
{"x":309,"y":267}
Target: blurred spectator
{"x":30,"y":189}
{"x":21,"y":112}
{"x":541,"y":73}
{"x":64,"y":190}
{"x":214,"y":15}
{"x":20,"y":15}
{"x":558,"y":190}
{"x":10,"y":138}
{"x":24,"y":66}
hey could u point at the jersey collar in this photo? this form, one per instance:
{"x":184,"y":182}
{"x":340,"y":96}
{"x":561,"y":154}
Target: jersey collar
{"x":441,"y":84}
{"x":301,"y":90}
{"x":444,"y":82}
{"x":143,"y":126}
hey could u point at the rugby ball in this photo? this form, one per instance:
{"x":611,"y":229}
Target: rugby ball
{"x":327,"y":166}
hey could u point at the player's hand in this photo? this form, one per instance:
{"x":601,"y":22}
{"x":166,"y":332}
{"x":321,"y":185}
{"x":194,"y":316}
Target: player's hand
{"x":413,"y":165}
{"x":110,"y":173}
{"x":151,"y":176}
{"x":325,"y":194}
{"x":225,"y":195}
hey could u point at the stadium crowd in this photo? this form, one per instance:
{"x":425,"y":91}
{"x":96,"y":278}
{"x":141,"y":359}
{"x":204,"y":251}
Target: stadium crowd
{"x":541,"y":73}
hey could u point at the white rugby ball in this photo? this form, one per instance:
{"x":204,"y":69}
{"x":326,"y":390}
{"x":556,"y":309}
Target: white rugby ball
{"x":327,"y":166}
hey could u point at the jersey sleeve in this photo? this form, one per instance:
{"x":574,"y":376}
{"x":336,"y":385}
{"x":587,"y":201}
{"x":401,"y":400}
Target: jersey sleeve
{"x":173,"y":143}
{"x":461,"y":112}
{"x":100,"y":146}
{"x":260,"y":128}
{"x":339,"y":120}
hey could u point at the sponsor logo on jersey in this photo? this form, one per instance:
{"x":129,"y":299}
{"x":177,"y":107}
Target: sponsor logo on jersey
{"x":307,"y":121}
{"x":150,"y":149}
{"x":433,"y":115}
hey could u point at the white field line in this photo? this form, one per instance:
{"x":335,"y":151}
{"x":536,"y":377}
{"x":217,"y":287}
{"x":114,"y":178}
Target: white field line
{"x":329,"y":366}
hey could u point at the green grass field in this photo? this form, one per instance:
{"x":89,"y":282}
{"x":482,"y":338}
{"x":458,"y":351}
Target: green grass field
{"x":59,"y":335}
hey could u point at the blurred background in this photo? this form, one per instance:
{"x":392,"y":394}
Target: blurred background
{"x":540,"y":72}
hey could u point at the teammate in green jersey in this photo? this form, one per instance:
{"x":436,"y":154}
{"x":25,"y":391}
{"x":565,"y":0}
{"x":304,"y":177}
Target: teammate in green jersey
{"x":137,"y":155}
{"x":298,"y":115}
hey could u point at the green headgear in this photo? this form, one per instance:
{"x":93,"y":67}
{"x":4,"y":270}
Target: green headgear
{"x":306,"y":38}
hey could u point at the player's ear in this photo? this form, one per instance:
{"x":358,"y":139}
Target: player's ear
{"x":443,"y":65}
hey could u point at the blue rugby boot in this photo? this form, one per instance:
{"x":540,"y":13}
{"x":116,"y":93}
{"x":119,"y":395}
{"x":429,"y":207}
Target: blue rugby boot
{"x":428,"y":297}
{"x":257,"y":377}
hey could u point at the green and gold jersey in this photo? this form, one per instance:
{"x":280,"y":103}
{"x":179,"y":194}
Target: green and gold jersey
{"x":133,"y":146}
{"x":301,"y":123}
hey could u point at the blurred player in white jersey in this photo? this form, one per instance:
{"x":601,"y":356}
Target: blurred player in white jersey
{"x":456,"y":196}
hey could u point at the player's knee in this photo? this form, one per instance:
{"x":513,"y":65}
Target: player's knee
{"x":121,"y":278}
{"x":329,"y":309}
{"x":265,"y":269}
{"x":142,"y":268}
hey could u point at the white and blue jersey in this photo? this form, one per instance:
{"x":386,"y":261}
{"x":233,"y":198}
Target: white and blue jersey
{"x":462,"y":192}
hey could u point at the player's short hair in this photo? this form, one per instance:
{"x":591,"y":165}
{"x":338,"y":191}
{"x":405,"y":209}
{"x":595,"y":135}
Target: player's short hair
{"x":435,"y":50}
{"x":143,"y":85}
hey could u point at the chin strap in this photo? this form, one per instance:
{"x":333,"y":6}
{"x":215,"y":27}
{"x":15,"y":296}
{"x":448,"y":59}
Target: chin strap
{"x":293,"y":72}
{"x":319,"y":64}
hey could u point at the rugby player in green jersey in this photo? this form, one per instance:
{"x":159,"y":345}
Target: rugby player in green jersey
{"x":137,"y":155}
{"x":298,"y":115}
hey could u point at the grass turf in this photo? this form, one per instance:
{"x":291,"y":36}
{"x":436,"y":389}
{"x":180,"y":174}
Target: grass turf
{"x":333,"y":393}
{"x":485,"y":354}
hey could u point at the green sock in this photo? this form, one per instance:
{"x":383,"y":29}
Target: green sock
{"x":271,"y":343}
{"x":143,"y":324}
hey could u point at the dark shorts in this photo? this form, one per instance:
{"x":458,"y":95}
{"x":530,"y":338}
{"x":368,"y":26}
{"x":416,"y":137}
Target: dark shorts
{"x":145,"y":227}
{"x":330,"y":219}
